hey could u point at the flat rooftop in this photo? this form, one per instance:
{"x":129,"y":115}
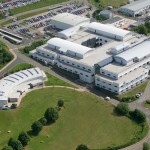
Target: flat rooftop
{"x":69,"y":18}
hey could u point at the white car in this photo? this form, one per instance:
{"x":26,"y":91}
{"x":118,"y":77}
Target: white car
{"x":107,"y":98}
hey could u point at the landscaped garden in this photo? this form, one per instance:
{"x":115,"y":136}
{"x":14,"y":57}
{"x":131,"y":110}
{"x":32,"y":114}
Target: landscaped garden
{"x":85,"y":119}
{"x":5,"y":55}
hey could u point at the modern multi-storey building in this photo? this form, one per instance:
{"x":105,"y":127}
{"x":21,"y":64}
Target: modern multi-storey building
{"x":112,"y":58}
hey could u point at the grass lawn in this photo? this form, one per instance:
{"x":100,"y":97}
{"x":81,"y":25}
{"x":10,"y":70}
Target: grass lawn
{"x":21,"y":66}
{"x":6,"y":22}
{"x":85,"y":119}
{"x":52,"y":80}
{"x":114,"y":3}
{"x":40,"y":4}
{"x":147,"y":105}
{"x":140,"y":88}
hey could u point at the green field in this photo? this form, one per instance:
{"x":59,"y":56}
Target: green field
{"x":21,"y":66}
{"x":105,"y":3}
{"x":42,"y":3}
{"x":85,"y":119}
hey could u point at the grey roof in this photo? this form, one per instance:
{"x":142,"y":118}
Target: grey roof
{"x":112,"y":20}
{"x":69,"y":19}
{"x":137,"y":5}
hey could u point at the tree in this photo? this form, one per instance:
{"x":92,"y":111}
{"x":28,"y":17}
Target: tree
{"x":60,"y":103}
{"x":24,"y":138}
{"x":36,"y":127}
{"x":7,"y":148}
{"x":122,"y":108}
{"x":51,"y":114}
{"x":138,"y":116}
{"x":15,"y":144}
{"x":146,"y":146}
{"x":82,"y":147}
{"x":43,"y":121}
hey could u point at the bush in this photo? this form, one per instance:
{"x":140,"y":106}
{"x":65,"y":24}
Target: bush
{"x":51,"y":114}
{"x":122,"y":108}
{"x":15,"y":144}
{"x":36,"y":127}
{"x":147,"y":101}
{"x":82,"y":147}
{"x":146,"y":146}
{"x":7,"y":148}
{"x":43,"y":121}
{"x":138,"y":116}
{"x":60,"y":103}
{"x":24,"y":138}
{"x":128,"y":99}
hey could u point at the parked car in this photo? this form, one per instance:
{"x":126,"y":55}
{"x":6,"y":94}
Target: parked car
{"x":13,"y":106}
{"x":5,"y":108}
{"x":107,"y":98}
{"x":138,"y":95}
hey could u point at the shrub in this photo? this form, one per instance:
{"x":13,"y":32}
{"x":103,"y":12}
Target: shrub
{"x":146,"y":146}
{"x":7,"y":148}
{"x":15,"y":144}
{"x":43,"y":121}
{"x":148,"y":101}
{"x":36,"y":127}
{"x":128,"y":98}
{"x":82,"y":147}
{"x":60,"y":103}
{"x":51,"y":114}
{"x":24,"y":138}
{"x":138,"y":116}
{"x":122,"y":108}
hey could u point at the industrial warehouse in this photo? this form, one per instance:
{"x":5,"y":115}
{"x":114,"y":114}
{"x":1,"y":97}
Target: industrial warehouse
{"x":136,"y":8}
{"x":12,"y":86}
{"x":112,"y":58}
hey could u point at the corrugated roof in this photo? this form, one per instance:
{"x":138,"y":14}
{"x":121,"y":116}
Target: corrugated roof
{"x":139,"y":51}
{"x":137,"y":5}
{"x":108,"y":29}
{"x":63,"y":44}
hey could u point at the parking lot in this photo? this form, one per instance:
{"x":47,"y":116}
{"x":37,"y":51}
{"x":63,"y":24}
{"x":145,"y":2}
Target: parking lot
{"x":34,"y":27}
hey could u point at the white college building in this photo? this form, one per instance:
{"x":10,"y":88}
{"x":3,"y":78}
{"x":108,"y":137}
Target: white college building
{"x":13,"y":85}
{"x":112,"y":58}
{"x":135,"y":8}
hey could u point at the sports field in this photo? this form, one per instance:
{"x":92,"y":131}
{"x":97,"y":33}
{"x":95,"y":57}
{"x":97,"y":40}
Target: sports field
{"x":85,"y":119}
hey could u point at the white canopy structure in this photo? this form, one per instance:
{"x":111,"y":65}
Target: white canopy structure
{"x":135,"y":53}
{"x":69,"y":48}
{"x":108,"y":31}
{"x":19,"y":81}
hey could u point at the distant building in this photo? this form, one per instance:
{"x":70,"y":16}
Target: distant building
{"x":136,"y":8}
{"x":116,"y":21}
{"x":64,"y":21}
{"x":106,"y":13}
{"x":13,"y":85}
